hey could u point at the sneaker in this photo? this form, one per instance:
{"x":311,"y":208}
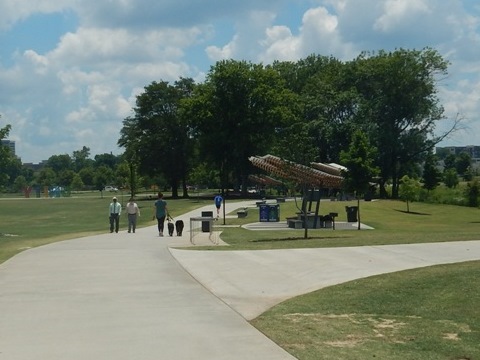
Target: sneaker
{"x":160,"y":233}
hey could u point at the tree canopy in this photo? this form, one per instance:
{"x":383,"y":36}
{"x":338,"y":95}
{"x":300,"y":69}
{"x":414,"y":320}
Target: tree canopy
{"x":305,"y":111}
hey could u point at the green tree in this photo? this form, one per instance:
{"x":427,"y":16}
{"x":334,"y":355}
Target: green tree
{"x":331,"y":109}
{"x":80,"y":159}
{"x":399,"y":96}
{"x":325,"y":109}
{"x":109,"y":160}
{"x":103,"y":176}
{"x":60,"y":163}
{"x":409,"y":190}
{"x":202,"y":175}
{"x":462,"y":163}
{"x":65,"y":177}
{"x":20,"y":183}
{"x":12,"y":168}
{"x":87,"y":174}
{"x":46,"y":177}
{"x":237,"y":113}
{"x":77,"y":183}
{"x":450,"y":178}
{"x":157,"y":138}
{"x":359,"y":161}
{"x":442,"y":153}
{"x":472,"y":192}
{"x":5,"y":156}
{"x":122,"y":176}
{"x":431,"y":175}
{"x":449,"y":161}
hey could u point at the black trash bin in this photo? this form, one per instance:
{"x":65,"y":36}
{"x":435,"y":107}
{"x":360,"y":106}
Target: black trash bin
{"x":206,"y":224}
{"x":351,"y":213}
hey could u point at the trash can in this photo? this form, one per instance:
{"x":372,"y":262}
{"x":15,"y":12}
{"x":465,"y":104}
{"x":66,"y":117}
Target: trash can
{"x":269,"y":212}
{"x":351,"y":213}
{"x":264,"y":212}
{"x":274,"y":213}
{"x":206,"y":224}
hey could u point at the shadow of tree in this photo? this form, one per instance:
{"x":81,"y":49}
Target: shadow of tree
{"x":299,"y":238}
{"x":412,"y":212}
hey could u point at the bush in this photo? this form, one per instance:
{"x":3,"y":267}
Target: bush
{"x":472,"y":192}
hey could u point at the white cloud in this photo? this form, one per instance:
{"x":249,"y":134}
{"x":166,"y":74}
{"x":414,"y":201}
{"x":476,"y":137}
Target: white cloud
{"x":280,"y":44}
{"x":399,"y":13}
{"x":13,"y":11}
{"x":246,"y":44}
{"x":317,"y":34}
{"x":78,"y":91}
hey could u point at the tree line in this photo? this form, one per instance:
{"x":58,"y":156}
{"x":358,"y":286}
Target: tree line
{"x":308,"y":110}
{"x":303,"y":111}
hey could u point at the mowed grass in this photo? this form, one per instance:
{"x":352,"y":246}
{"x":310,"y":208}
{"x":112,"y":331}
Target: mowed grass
{"x":27,"y":223}
{"x":391,"y":223}
{"x":423,"y":314}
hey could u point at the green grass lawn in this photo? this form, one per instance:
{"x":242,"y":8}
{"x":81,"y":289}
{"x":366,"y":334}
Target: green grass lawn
{"x":422,"y":314}
{"x":391,"y":223}
{"x":37,"y":221}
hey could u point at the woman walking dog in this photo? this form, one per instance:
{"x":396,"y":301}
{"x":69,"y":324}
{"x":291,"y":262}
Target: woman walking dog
{"x":160,"y":212}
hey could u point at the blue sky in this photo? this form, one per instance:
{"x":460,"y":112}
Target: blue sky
{"x":70,"y":70}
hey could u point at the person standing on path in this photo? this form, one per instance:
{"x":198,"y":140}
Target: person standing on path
{"x":160,"y":212}
{"x":133,"y":211}
{"x":114,"y":211}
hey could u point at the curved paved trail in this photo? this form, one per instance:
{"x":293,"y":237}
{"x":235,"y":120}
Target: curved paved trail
{"x":132,"y":296}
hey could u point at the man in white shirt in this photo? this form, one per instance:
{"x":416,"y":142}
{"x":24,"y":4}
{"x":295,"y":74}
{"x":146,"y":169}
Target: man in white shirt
{"x":114,"y":211}
{"x":133,"y":211}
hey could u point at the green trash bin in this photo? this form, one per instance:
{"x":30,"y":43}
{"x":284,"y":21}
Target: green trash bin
{"x":274,"y":213}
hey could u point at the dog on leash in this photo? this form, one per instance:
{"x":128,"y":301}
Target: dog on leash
{"x":171,"y":228}
{"x":179,"y":227}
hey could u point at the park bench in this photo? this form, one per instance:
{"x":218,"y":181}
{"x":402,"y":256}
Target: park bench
{"x":294,"y":223}
{"x":242,"y":213}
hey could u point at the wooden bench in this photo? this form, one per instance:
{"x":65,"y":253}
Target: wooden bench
{"x":242,"y":213}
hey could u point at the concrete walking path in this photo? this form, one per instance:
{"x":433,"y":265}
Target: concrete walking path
{"x":127,"y":296}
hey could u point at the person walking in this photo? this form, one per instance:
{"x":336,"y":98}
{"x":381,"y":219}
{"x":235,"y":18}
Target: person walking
{"x":160,"y":212}
{"x":114,"y":211}
{"x":218,"y":203}
{"x":133,"y":212}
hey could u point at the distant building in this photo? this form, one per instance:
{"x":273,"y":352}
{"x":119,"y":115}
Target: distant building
{"x":35,"y":167}
{"x":10,"y":144}
{"x":472,"y":150}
